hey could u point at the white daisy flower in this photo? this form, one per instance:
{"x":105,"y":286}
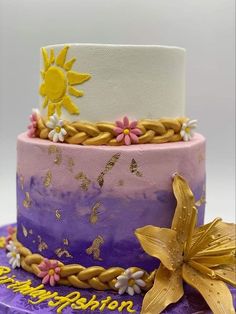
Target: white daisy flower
{"x":130,"y":282}
{"x":58,"y":133}
{"x":187,"y":132}
{"x":13,"y":255}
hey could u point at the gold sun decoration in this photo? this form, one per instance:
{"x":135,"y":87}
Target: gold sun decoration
{"x":59,"y":81}
{"x":203,"y":257}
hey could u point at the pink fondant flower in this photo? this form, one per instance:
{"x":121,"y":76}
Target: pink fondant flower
{"x":127,"y":131}
{"x":10,"y":230}
{"x":32,"y":128}
{"x":49,"y":271}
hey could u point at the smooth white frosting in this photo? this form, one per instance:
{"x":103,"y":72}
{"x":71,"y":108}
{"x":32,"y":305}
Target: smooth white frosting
{"x":138,"y":81}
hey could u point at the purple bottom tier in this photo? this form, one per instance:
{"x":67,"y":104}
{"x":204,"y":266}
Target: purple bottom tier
{"x":16,"y":302}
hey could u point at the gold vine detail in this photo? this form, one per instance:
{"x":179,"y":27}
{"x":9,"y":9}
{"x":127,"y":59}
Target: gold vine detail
{"x":78,"y":276}
{"x":154,"y":131}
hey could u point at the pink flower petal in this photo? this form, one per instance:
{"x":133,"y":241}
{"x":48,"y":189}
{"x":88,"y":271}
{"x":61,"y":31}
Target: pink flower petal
{"x":118,"y":130}
{"x":136,"y":131}
{"x":45,"y":279}
{"x":47,"y":262}
{"x":120,"y":137}
{"x":127,"y":140}
{"x":119,"y":124}
{"x":42,"y":274}
{"x":126,"y":122}
{"x":133,"y":137}
{"x":133,"y":124}
{"x":52,"y":281}
{"x":42,"y":266}
{"x":57,"y":270}
{"x":56,"y":277}
{"x":54,"y":264}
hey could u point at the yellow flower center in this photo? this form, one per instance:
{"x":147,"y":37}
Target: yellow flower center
{"x":126,"y":131}
{"x":13,"y":254}
{"x":55,"y":84}
{"x":58,"y":129}
{"x":131,"y":282}
{"x":187,"y":130}
{"x":51,"y":272}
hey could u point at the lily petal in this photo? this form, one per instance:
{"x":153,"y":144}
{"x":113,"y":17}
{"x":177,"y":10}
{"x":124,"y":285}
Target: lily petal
{"x":215,"y":292}
{"x":162,"y":244}
{"x":227,"y":274}
{"x":167,"y":289}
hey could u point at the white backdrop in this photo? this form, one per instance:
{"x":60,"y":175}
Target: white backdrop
{"x":204,"y":27}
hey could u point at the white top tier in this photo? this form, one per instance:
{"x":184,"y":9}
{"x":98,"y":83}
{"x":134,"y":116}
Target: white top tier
{"x":137,"y":81}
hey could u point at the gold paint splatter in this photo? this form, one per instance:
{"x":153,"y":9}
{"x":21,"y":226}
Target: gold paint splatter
{"x":58,"y":159}
{"x":70,"y":164}
{"x":42,"y":245}
{"x":65,"y":241}
{"x":27,"y":201}
{"x":53,"y":149}
{"x":94,"y":249}
{"x":60,"y":252}
{"x":110,"y":164}
{"x":94,"y":215}
{"x":134,"y":168}
{"x":58,"y":214}
{"x":24,"y":230}
{"x":85,"y":181}
{"x":48,"y":179}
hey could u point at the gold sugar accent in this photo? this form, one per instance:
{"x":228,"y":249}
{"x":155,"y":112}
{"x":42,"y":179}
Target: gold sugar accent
{"x":58,"y":214}
{"x":85,"y":181}
{"x":70,"y":164}
{"x":48,"y":179}
{"x":102,"y":133}
{"x":110,"y":164}
{"x":42,"y":245}
{"x":27,"y":201}
{"x":94,"y":215}
{"x":63,"y":252}
{"x":94,"y":249}
{"x":134,"y":168}
{"x":65,"y":241}
{"x":24,"y":230}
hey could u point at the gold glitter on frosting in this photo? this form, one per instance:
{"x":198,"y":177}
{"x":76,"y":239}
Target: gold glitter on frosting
{"x":70,"y":164}
{"x":53,"y":149}
{"x":27,"y":201}
{"x":65,"y":241}
{"x":94,"y":215}
{"x":58,"y":214}
{"x":24,"y":230}
{"x":110,"y":164}
{"x":48,"y":179}
{"x":94,"y":249}
{"x":85,"y":181}
{"x":134,"y":168}
{"x":61,"y":251}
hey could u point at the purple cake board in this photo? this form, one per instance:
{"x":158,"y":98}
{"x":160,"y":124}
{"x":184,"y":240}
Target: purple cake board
{"x":15,"y":303}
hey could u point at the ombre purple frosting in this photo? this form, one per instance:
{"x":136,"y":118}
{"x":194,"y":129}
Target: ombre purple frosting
{"x":63,"y":206}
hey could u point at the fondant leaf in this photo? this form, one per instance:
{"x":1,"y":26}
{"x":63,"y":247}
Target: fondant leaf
{"x":215,"y":292}
{"x":183,"y":218}
{"x":162,"y":244}
{"x":167,"y":289}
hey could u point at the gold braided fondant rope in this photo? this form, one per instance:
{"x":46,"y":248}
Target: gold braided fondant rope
{"x":78,"y":276}
{"x":102,"y":133}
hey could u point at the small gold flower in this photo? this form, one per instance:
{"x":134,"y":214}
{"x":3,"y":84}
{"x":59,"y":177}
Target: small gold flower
{"x":203,"y":257}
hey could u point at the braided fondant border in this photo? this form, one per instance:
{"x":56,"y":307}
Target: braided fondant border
{"x":78,"y":276}
{"x":155,"y":131}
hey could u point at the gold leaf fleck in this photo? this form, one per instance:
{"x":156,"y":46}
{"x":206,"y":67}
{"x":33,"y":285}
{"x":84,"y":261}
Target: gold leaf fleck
{"x":52,"y":149}
{"x":27,"y":201}
{"x":134,"y":168}
{"x":42,"y":245}
{"x":58,"y":159}
{"x":94,"y":215}
{"x":70,"y":164}
{"x":60,"y":252}
{"x":58,"y":214}
{"x":201,"y":201}
{"x":110,"y":164}
{"x":85,"y":181}
{"x":94,"y":249}
{"x":24,"y":230}
{"x":48,"y":179}
{"x":65,"y":241}
{"x":22,"y":182}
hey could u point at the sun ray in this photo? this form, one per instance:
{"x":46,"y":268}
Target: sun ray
{"x":51,"y":109}
{"x":52,"y":56}
{"x":68,"y":65}
{"x":42,"y":74}
{"x":75,"y":92}
{"x":42,"y":90}
{"x":75,"y":78}
{"x":61,"y":58}
{"x":45,"y":59}
{"x":69,"y":105}
{"x":45,"y":102}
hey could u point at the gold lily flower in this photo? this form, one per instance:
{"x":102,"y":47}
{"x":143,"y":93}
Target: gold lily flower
{"x":204,"y":257}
